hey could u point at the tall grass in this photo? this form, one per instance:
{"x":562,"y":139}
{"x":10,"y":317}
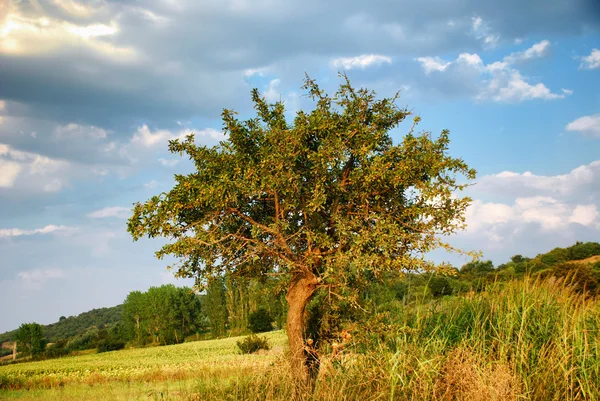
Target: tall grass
{"x":523,"y":340}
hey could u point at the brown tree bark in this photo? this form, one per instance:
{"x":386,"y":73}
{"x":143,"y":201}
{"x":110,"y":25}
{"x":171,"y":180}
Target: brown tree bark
{"x":299,"y":293}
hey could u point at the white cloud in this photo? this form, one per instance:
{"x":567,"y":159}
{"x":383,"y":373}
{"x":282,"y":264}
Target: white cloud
{"x":113,"y":211}
{"x":572,"y":184}
{"x":361,"y":62}
{"x":255,"y":71}
{"x":41,"y":274}
{"x":168,"y":162}
{"x":528,"y":211}
{"x":77,"y":131}
{"x":538,"y":50}
{"x":484,"y":33}
{"x":592,"y":61}
{"x":36,"y":278}
{"x":151,"y":185}
{"x":587,"y":125}
{"x":8,"y":173}
{"x":433,"y":64}
{"x":480,"y":214}
{"x":272,"y":94}
{"x":53,"y":185}
{"x":100,"y":171}
{"x":477,"y":23}
{"x":210,"y":133}
{"x":585,"y":215}
{"x":146,"y":138}
{"x":75,"y":8}
{"x":32,"y":171}
{"x":49,"y":229}
{"x":498,"y":81}
{"x":147,"y":146}
{"x":508,"y":85}
{"x":25,"y":35}
{"x":548,"y":213}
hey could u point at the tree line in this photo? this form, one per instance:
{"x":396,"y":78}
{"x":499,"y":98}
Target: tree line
{"x":160,"y":316}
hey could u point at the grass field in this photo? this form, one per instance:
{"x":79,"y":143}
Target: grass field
{"x":522,"y":340}
{"x":169,"y":372}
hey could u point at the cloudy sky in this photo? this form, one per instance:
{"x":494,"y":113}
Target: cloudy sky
{"x":91,"y":91}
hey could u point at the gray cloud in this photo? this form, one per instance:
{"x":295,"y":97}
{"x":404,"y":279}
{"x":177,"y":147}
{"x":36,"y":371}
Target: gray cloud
{"x":116,"y":63}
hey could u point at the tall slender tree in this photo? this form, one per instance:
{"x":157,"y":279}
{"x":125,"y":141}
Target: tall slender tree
{"x":214,"y":306}
{"x":322,"y":202}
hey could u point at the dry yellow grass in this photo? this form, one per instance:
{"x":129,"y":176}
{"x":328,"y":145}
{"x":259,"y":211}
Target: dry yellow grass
{"x":591,"y":259}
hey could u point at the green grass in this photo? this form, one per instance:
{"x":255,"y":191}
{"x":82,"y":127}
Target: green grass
{"x":129,"y":370}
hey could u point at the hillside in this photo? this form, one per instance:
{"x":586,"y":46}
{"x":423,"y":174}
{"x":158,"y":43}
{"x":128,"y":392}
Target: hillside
{"x":72,"y":326}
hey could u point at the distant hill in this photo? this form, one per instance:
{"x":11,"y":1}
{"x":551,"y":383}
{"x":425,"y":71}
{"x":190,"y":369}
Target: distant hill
{"x":72,"y":326}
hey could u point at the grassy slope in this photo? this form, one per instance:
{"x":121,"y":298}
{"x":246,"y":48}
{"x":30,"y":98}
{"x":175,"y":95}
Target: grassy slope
{"x":128,"y":374}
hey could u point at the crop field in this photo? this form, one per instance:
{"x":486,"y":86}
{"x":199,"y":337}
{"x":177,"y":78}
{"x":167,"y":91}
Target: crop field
{"x":169,"y":372}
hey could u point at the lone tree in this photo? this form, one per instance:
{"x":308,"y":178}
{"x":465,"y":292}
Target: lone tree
{"x":320,"y":202}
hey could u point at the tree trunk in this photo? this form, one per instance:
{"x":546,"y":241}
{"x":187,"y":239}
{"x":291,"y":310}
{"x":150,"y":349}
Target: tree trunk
{"x":299,"y":293}
{"x":137,"y":329}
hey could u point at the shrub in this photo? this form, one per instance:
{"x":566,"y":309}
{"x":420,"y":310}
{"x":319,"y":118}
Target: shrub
{"x":110,"y":345}
{"x":253,"y":343}
{"x":5,"y":351}
{"x":57,"y":349}
{"x":439,"y":286}
{"x":86,"y":340}
{"x":260,"y":320}
{"x":555,"y":256}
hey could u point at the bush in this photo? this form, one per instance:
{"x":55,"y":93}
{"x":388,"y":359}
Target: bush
{"x":57,"y":350}
{"x":556,"y":256}
{"x":86,"y":340}
{"x":439,"y":286}
{"x":5,"y":351}
{"x":253,"y":343}
{"x":260,"y":321}
{"x":110,"y":345}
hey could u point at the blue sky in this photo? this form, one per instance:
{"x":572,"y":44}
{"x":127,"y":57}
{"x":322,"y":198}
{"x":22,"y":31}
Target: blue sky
{"x":91,"y":92}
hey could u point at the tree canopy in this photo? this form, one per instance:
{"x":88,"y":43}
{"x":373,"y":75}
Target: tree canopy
{"x":161,"y":315}
{"x":325,"y":201}
{"x":30,"y":338}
